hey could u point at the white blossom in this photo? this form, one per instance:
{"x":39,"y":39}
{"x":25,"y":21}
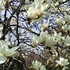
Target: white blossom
{"x":44,"y":26}
{"x":62,"y":61}
{"x":50,"y":41}
{"x":60,"y":21}
{"x":67,"y":41}
{"x":43,"y":36}
{"x":36,"y":40}
{"x":67,"y":18}
{"x":66,"y":28}
{"x":5,"y":51}
{"x":58,"y":37}
{"x":37,"y":9}
{"x":36,"y":64}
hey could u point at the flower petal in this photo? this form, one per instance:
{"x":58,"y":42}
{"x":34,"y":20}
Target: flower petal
{"x":13,"y":49}
{"x":2,"y":59}
{"x":38,"y":1}
{"x":10,"y":54}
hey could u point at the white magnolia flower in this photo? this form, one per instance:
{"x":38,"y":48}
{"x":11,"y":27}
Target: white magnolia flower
{"x":60,"y":21}
{"x":56,"y":4}
{"x":44,"y":26}
{"x":13,"y":21}
{"x":36,"y":40}
{"x":5,"y":51}
{"x":58,"y":37}
{"x":36,"y":64}
{"x":43,"y":36}
{"x":37,"y":9}
{"x":62,"y":61}
{"x":67,"y":41}
{"x":2,"y":59}
{"x":50,"y":41}
{"x":66,"y":28}
{"x":67,"y":18}
{"x":32,"y":12}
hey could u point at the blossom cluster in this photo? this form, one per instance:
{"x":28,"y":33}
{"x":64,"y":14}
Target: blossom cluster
{"x":63,"y":62}
{"x":50,"y":40}
{"x":37,"y":8}
{"x":5,"y":51}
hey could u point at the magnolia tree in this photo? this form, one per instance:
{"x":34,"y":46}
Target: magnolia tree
{"x":34,"y":34}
